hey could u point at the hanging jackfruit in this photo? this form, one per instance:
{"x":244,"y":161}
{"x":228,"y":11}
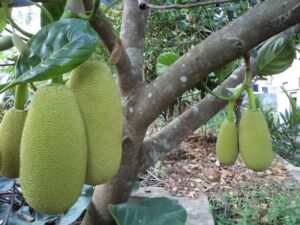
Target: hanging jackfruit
{"x":10,"y":137}
{"x":255,"y":141}
{"x":227,"y":143}
{"x":3,"y":18}
{"x":100,"y":105}
{"x":53,"y":151}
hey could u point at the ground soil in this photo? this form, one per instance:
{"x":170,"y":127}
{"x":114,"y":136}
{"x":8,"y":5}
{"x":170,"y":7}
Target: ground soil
{"x":193,"y":167}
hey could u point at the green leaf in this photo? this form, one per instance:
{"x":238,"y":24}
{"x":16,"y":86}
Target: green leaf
{"x":5,"y":184}
{"x":165,"y":60}
{"x":152,"y":211}
{"x":56,"y":49}
{"x":275,"y":57}
{"x":135,"y":187}
{"x":226,"y":70}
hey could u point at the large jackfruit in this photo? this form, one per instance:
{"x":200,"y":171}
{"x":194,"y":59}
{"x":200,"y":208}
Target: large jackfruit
{"x":10,"y":138}
{"x":255,"y":141}
{"x":227,"y":143}
{"x":53,"y":151}
{"x":100,"y":105}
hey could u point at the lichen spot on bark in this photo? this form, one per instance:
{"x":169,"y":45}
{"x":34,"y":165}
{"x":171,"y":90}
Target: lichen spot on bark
{"x":183,"y":79}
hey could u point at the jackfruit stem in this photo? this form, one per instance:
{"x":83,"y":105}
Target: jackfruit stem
{"x":20,"y":96}
{"x":58,"y":80}
{"x":248,"y":78}
{"x":251,"y":99}
{"x":73,"y":9}
{"x":230,"y":113}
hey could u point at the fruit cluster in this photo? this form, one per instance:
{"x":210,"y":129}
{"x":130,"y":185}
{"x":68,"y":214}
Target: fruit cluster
{"x":252,"y":138}
{"x":70,"y":136}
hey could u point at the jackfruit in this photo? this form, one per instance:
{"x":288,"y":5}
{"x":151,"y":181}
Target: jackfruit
{"x":10,"y":138}
{"x":100,"y":104}
{"x":53,"y":151}
{"x":3,"y":18}
{"x":6,"y":42}
{"x":227,"y":143}
{"x":255,"y":141}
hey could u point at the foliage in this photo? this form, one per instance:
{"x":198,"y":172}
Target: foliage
{"x":14,"y":209}
{"x":179,"y":30}
{"x":74,"y":46}
{"x":284,"y":131}
{"x":166,"y":211}
{"x":275,"y":57}
{"x":252,"y":205}
{"x":213,"y":125}
{"x":165,"y":60}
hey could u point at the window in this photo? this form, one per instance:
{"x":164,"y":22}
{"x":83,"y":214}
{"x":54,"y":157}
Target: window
{"x":265,"y":90}
{"x":255,"y":87}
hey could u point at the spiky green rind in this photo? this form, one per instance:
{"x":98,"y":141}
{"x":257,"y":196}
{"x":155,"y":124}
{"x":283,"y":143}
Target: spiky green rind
{"x":100,"y":104}
{"x":10,"y":137}
{"x":227,"y":143}
{"x":255,"y":141}
{"x":53,"y":151}
{"x":2,"y":20}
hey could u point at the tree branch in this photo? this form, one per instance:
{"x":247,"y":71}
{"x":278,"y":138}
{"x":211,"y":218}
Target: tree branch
{"x":223,"y":46}
{"x":171,"y":135}
{"x":106,"y":32}
{"x":143,"y":4}
{"x":133,"y":36}
{"x":184,"y":125}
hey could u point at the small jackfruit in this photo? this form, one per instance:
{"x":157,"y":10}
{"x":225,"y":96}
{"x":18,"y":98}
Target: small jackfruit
{"x":227,"y":143}
{"x":11,"y":130}
{"x":6,"y":42}
{"x":255,"y":141}
{"x":53,"y":151}
{"x":100,"y":104}
{"x":3,"y":18}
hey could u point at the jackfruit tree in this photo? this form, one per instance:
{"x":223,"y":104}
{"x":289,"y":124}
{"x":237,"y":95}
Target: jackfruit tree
{"x":115,"y":118}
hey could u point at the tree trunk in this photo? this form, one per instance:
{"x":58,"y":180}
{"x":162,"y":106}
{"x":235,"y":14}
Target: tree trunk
{"x":119,"y":188}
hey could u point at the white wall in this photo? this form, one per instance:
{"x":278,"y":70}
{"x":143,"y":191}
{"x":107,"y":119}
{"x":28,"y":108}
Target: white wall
{"x":290,"y":79}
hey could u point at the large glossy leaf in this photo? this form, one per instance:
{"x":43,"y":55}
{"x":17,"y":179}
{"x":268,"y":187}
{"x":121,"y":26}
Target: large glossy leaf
{"x":165,"y":60}
{"x":152,"y":211}
{"x":275,"y":57}
{"x":5,"y":184}
{"x":56,"y":49}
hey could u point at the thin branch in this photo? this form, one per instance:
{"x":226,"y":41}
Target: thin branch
{"x":133,"y":36}
{"x":108,"y":36}
{"x":144,"y":5}
{"x":8,"y":64}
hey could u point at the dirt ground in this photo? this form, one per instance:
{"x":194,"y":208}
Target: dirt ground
{"x":193,"y":167}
